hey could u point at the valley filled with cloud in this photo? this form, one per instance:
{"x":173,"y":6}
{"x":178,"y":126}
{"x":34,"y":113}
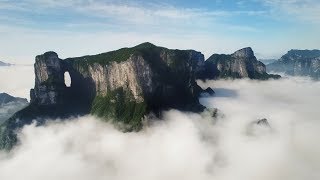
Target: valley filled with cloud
{"x":181,"y":145}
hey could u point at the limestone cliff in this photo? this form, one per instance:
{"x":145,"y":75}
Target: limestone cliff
{"x":123,"y":85}
{"x":240,"y":64}
{"x":298,"y":63}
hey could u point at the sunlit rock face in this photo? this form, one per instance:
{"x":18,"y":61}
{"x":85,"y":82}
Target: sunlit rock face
{"x":298,"y":63}
{"x":154,"y":76}
{"x":240,"y":64}
{"x":49,"y":79}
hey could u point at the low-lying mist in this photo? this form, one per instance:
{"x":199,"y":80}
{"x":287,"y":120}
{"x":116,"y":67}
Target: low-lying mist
{"x":185,"y":145}
{"x":17,"y":80}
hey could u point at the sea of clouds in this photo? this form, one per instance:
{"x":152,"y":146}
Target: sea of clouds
{"x":184,"y":145}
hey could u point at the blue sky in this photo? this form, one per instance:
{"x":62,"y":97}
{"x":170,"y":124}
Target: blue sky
{"x":79,"y":27}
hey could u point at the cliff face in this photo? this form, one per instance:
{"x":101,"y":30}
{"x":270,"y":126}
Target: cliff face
{"x":240,"y":64}
{"x":123,"y":85}
{"x":298,"y":63}
{"x":49,"y":81}
{"x":144,"y":73}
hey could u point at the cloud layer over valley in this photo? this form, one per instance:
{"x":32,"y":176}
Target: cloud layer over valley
{"x":183,"y":145}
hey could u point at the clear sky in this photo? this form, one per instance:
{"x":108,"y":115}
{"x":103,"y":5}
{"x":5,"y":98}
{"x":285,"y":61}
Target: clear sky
{"x":80,"y":27}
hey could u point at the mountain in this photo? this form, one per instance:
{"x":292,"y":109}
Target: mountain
{"x":240,"y":64}
{"x":10,"y":105}
{"x":4,"y":64}
{"x":124,"y":85}
{"x":267,"y":61}
{"x":6,"y":98}
{"x":298,"y":63}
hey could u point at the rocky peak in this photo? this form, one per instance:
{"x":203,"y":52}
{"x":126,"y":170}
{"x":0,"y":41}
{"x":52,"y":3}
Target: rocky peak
{"x":145,"y":45}
{"x":298,"y":63}
{"x":295,"y":53}
{"x":48,"y":55}
{"x":49,"y":76}
{"x":47,"y":65}
{"x":241,"y":64}
{"x":243,"y":53}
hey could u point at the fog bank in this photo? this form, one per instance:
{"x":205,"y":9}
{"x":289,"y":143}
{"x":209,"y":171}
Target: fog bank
{"x":185,"y":145}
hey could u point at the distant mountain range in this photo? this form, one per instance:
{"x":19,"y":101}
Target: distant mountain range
{"x":267,"y":61}
{"x":298,"y":63}
{"x":5,"y":64}
{"x":10,"y":105}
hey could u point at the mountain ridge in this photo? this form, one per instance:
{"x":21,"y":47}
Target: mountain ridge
{"x":5,"y":64}
{"x":240,"y":64}
{"x":298,"y":63}
{"x":124,"y":85}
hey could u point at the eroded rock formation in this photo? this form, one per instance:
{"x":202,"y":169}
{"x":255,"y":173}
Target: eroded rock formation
{"x":123,"y":85}
{"x":146,"y":74}
{"x":240,"y":64}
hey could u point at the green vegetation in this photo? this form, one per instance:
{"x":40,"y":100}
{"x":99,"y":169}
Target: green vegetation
{"x":148,"y":51}
{"x":113,"y":56}
{"x":8,"y":137}
{"x":120,"y":106}
{"x":215,"y":58}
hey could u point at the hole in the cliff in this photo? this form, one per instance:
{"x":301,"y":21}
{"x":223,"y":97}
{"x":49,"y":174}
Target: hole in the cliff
{"x":67,"y":79}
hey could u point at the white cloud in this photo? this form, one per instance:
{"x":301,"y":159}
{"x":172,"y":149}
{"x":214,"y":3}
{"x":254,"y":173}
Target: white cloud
{"x":114,"y":24}
{"x":307,"y":10}
{"x":137,"y":13}
{"x":185,"y":146}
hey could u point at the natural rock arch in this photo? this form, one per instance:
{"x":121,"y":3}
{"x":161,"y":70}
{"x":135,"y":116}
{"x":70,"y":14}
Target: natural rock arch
{"x":67,"y":79}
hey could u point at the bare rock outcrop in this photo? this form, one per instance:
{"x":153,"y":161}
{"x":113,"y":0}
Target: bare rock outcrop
{"x":240,"y":64}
